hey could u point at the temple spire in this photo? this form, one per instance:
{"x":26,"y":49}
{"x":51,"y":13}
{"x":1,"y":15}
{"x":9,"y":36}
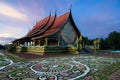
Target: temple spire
{"x":50,"y":13}
{"x":70,"y":7}
{"x":55,"y":12}
{"x":36,"y":21}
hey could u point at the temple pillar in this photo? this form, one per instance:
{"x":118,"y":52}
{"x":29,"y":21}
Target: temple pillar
{"x":18,"y":43}
{"x":46,"y":41}
{"x":58,"y":40}
{"x":33,"y":42}
{"x":30,"y":43}
{"x":25,"y":44}
{"x":39,"y":42}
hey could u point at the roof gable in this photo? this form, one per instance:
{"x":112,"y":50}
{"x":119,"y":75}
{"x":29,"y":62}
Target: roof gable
{"x":38,"y":26}
{"x":51,"y":22}
{"x":50,"y":25}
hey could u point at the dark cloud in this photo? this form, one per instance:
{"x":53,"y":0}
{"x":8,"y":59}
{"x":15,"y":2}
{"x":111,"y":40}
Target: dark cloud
{"x":4,"y":40}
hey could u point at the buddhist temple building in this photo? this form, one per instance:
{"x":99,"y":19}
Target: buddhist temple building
{"x":52,"y":34}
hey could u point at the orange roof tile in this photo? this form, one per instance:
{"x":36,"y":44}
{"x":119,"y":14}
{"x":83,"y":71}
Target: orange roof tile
{"x":60,"y":20}
{"x":38,"y":25}
{"x":48,"y":24}
{"x":53,"y":24}
{"x":57,"y":24}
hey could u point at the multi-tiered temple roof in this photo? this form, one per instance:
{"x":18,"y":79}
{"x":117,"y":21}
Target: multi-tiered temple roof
{"x":49,"y":26}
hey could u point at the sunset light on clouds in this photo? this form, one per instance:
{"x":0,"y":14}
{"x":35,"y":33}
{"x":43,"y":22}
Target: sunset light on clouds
{"x":5,"y":35}
{"x":93,"y":18}
{"x":7,"y":10}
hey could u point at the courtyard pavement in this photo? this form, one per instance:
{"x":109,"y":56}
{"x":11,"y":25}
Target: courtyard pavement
{"x":50,"y":67}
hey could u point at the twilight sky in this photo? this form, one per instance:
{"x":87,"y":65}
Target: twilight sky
{"x":94,"y":18}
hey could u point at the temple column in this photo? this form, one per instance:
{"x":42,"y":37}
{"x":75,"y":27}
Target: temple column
{"x":30,"y":43}
{"x":27,"y":44}
{"x":46,"y":41}
{"x":18,"y":43}
{"x":39,"y":42}
{"x":58,"y":40}
{"x":33,"y":42}
{"x":24,"y":43}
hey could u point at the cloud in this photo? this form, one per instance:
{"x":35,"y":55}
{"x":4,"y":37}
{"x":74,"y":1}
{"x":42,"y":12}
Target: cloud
{"x":7,"y":40}
{"x":5,"y":35}
{"x":11,"y":31}
{"x":8,"y":10}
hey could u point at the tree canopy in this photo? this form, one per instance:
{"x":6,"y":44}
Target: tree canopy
{"x":111,"y":42}
{"x":114,"y":40}
{"x":2,"y":47}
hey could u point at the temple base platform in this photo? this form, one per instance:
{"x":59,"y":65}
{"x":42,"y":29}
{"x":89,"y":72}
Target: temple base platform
{"x":41,"y":50}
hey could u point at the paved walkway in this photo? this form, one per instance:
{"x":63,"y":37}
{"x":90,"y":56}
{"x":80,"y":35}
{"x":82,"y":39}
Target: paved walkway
{"x":114,"y":76}
{"x":34,"y":56}
{"x":46,"y":55}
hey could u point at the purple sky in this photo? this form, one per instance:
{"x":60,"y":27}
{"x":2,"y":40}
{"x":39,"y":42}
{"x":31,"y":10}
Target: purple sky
{"x":94,"y":18}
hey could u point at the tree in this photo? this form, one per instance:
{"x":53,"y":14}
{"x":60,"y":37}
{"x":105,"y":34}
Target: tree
{"x":11,"y":47}
{"x":114,"y":40}
{"x":88,"y":41}
{"x":2,"y":47}
{"x":111,"y":42}
{"x":104,"y":44}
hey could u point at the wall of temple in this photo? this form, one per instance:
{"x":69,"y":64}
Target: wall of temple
{"x":68,"y":34}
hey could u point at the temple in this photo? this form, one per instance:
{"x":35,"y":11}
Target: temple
{"x":52,"y":34}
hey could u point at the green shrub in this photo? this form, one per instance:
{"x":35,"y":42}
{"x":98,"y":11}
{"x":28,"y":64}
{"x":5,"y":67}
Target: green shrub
{"x":23,"y":49}
{"x":11,"y":48}
{"x":38,"y":78}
